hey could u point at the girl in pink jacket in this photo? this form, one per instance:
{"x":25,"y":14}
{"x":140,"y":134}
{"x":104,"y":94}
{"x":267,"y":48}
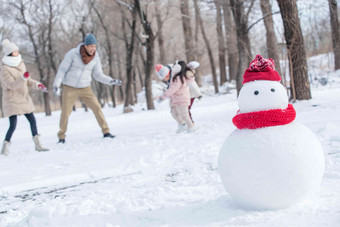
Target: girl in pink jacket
{"x":178,"y":92}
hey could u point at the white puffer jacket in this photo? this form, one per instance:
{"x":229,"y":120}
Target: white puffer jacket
{"x":74,"y":73}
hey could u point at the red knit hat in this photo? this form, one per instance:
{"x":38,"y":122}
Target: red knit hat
{"x":261,"y":69}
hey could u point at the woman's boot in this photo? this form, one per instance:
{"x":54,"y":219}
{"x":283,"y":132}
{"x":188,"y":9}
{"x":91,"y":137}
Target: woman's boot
{"x":5,"y":148}
{"x":37,"y":143}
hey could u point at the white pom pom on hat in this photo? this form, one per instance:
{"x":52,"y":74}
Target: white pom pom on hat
{"x":5,"y":42}
{"x":8,"y":47}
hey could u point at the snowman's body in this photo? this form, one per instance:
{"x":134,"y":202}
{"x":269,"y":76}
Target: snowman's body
{"x":270,"y":167}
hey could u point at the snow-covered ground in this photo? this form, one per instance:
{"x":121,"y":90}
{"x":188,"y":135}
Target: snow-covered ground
{"x":149,"y":175}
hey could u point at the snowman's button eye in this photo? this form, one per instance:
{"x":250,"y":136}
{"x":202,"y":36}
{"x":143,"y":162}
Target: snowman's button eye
{"x":256,"y":92}
{"x":272,"y":90}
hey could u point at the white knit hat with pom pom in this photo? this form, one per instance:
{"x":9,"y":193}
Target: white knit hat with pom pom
{"x":8,"y":47}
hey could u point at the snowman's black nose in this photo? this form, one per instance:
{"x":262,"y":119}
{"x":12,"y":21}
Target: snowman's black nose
{"x":256,"y":92}
{"x":272,"y":90}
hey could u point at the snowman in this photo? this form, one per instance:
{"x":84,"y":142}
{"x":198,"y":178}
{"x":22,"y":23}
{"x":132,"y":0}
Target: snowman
{"x":269,"y":161}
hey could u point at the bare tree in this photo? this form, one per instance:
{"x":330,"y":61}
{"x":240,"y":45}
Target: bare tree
{"x":22,"y":6}
{"x":129,"y":40}
{"x":300,"y":86}
{"x":333,"y":9}
{"x":119,"y":69}
{"x":150,"y":46}
{"x":207,"y":43}
{"x":231,"y":39}
{"x":108,"y":48}
{"x":199,"y":50}
{"x":163,"y":58}
{"x":136,"y":71}
{"x":220,"y":38}
{"x":187,"y":32}
{"x":243,"y":42}
{"x":140,"y":54}
{"x":53,"y":15}
{"x":272,"y":47}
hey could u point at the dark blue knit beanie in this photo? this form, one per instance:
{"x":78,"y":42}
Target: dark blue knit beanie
{"x":90,"y":39}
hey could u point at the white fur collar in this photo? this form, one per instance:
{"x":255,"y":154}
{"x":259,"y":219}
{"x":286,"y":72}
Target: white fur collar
{"x":12,"y":61}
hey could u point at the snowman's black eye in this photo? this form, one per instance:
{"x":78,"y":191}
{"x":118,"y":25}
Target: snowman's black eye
{"x":256,"y":92}
{"x":272,"y":90}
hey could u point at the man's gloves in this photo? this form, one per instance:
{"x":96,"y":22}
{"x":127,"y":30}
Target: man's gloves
{"x":42,"y":88}
{"x":56,"y":90}
{"x":115,"y":82}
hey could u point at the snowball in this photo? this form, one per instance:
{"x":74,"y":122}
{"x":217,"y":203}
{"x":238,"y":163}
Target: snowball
{"x":262,"y":95}
{"x":273,"y":167}
{"x":193,"y":64}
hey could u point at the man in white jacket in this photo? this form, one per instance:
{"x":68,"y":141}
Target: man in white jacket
{"x":75,"y":73}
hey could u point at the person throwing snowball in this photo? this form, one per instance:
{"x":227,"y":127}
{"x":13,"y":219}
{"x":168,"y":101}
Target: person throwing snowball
{"x":75,"y":73}
{"x":15,"y":82}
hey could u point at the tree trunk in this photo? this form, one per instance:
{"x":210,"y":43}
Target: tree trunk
{"x":160,"y":38}
{"x":198,"y":76}
{"x":108,"y":48}
{"x":148,"y":74}
{"x":296,"y":49}
{"x":134,"y":86}
{"x":129,"y":45}
{"x":137,"y":64}
{"x":243,"y":43}
{"x":121,"y":92}
{"x":220,"y":38}
{"x":231,"y":37}
{"x":211,"y":57}
{"x":189,"y":48}
{"x":333,"y":9}
{"x":30,"y":34}
{"x":272,"y":48}
{"x":51,"y":52}
{"x":149,"y":44}
{"x":100,"y":93}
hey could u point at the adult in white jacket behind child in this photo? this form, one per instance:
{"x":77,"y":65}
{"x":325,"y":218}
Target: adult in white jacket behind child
{"x":195,"y":91}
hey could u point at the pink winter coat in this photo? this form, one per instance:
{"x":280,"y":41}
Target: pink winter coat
{"x":179,"y":93}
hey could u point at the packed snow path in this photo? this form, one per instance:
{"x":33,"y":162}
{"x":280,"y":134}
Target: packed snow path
{"x":148,"y":175}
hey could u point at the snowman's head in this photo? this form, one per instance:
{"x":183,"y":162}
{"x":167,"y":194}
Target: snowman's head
{"x":262,"y":95}
{"x":261,"y":87}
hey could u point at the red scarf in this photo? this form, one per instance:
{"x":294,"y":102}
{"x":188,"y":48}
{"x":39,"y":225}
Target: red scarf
{"x":261,"y":119}
{"x":85,"y":57}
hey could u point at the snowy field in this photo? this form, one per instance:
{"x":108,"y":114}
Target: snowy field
{"x":149,"y":175}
